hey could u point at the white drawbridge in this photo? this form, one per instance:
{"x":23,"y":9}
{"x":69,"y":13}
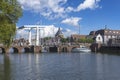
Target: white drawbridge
{"x":37,"y":28}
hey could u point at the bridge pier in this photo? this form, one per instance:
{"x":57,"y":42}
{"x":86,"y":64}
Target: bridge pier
{"x":37,"y":49}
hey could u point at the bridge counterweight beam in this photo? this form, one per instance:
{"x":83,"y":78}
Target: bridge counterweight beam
{"x":37,"y":36}
{"x":30,"y":37}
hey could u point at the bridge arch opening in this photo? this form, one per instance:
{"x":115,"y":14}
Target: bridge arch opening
{"x":15,"y":50}
{"x":26,"y":49}
{"x":73,"y":48}
{"x":2,"y":50}
{"x":53,"y":49}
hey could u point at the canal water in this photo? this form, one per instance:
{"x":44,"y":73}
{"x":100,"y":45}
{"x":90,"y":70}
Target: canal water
{"x":60,"y":66}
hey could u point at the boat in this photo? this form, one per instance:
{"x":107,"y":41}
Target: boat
{"x":81,"y":49}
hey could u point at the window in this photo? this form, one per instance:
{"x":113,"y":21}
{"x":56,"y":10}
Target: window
{"x":98,"y":38}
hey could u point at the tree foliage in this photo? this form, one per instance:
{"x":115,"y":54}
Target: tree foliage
{"x":10,"y":12}
{"x":63,"y":40}
{"x":47,"y":38}
{"x":85,"y":40}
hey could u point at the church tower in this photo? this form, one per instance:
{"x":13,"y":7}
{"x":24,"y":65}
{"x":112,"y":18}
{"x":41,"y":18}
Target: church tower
{"x":59,"y":33}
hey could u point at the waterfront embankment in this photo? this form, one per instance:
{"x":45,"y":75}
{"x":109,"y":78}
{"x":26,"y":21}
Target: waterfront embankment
{"x":96,"y":47}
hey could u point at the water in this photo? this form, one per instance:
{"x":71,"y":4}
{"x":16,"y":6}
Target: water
{"x":63,"y":66}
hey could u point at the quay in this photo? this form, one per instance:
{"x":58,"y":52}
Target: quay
{"x":95,"y":47}
{"x":106,"y":41}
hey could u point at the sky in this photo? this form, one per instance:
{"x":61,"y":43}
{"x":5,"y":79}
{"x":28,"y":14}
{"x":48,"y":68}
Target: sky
{"x":70,"y":15}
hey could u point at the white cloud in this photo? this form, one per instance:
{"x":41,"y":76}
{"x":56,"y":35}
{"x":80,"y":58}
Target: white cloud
{"x":48,"y":31}
{"x":21,"y":33}
{"x":55,"y":8}
{"x":73,"y":21}
{"x":46,"y":8}
{"x":52,"y":30}
{"x":88,"y":4}
{"x":68,"y":32}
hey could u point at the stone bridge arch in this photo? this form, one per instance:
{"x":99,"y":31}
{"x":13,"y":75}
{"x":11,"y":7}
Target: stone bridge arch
{"x":21,"y":49}
{"x":67,"y":48}
{"x":27,"y":50}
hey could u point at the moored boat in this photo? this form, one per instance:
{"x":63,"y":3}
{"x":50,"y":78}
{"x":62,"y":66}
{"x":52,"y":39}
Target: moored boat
{"x":81,"y":49}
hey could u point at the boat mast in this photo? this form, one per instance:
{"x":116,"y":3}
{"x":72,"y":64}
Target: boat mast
{"x":79,"y":30}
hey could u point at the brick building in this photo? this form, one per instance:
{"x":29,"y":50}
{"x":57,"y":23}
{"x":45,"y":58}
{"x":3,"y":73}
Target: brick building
{"x":106,"y":34}
{"x":76,"y":37}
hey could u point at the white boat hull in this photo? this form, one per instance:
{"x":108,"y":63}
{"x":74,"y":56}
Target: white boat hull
{"x":81,"y":50}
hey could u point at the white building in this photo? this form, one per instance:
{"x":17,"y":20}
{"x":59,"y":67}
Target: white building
{"x":106,"y":35}
{"x":99,"y":39}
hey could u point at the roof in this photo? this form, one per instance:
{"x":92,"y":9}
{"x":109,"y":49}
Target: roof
{"x":78,"y":36}
{"x":108,"y":32}
{"x":59,"y":32}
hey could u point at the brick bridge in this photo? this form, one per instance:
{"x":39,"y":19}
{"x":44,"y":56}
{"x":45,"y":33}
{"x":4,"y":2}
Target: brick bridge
{"x":38,"y":49}
{"x":67,"y":48}
{"x":21,"y":49}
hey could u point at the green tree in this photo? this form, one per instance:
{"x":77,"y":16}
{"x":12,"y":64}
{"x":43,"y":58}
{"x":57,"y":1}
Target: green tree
{"x":10,"y":12}
{"x":64,"y":40}
{"x":85,"y":40}
{"x":47,"y":38}
{"x":89,"y":40}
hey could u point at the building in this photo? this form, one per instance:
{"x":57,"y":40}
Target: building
{"x":106,"y":34}
{"x":76,"y":37}
{"x":59,"y":34}
{"x":114,"y":42}
{"x":98,"y":39}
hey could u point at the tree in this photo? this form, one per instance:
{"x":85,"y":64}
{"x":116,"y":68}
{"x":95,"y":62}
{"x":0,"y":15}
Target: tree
{"x":10,"y":12}
{"x":63,"y":40}
{"x":47,"y":38}
{"x":85,"y":40}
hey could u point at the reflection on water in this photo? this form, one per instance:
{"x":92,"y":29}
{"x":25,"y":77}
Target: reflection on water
{"x":55,"y":66}
{"x":5,"y":68}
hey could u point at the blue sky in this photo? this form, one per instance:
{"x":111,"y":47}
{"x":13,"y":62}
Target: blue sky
{"x":70,"y":14}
